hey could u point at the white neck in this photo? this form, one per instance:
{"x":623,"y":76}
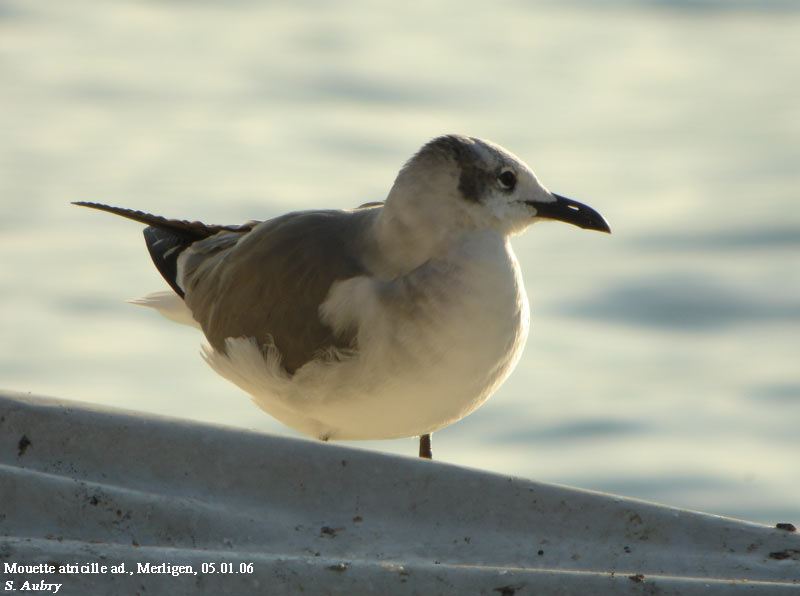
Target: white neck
{"x":413,"y":227}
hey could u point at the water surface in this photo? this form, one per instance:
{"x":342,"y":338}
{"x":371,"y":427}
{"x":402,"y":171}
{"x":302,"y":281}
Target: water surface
{"x":663,"y":360}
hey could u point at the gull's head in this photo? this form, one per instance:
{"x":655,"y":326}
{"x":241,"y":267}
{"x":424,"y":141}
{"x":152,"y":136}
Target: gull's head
{"x":469,"y":182}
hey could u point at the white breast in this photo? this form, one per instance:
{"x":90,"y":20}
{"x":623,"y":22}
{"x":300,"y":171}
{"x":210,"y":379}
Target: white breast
{"x":433,"y":346}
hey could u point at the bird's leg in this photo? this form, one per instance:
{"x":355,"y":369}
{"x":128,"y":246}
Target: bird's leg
{"x":425,"y":446}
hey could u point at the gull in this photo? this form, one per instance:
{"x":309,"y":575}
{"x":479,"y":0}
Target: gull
{"x":394,"y":319}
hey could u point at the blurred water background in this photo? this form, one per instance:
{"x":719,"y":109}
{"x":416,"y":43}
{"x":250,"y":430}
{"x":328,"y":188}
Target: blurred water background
{"x":664,"y":360}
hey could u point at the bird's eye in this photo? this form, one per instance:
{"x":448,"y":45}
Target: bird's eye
{"x":507,"y":180}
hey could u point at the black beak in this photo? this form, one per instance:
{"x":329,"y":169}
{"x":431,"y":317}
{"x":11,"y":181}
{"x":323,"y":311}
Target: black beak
{"x":572,"y":212}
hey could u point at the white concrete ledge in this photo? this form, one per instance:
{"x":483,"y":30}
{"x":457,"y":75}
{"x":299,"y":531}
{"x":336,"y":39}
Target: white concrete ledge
{"x":81,"y":484}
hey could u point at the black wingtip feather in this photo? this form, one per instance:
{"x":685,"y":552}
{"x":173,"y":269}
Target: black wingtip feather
{"x":167,"y":238}
{"x":165,"y":248}
{"x":189,"y":230}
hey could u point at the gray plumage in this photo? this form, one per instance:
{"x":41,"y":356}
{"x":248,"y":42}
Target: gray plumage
{"x":250,"y":293}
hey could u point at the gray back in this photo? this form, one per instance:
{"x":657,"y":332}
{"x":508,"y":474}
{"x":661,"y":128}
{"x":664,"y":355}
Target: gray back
{"x":270,"y":281}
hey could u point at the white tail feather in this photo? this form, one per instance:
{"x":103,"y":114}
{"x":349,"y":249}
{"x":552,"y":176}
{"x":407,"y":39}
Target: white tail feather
{"x":168,"y":304}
